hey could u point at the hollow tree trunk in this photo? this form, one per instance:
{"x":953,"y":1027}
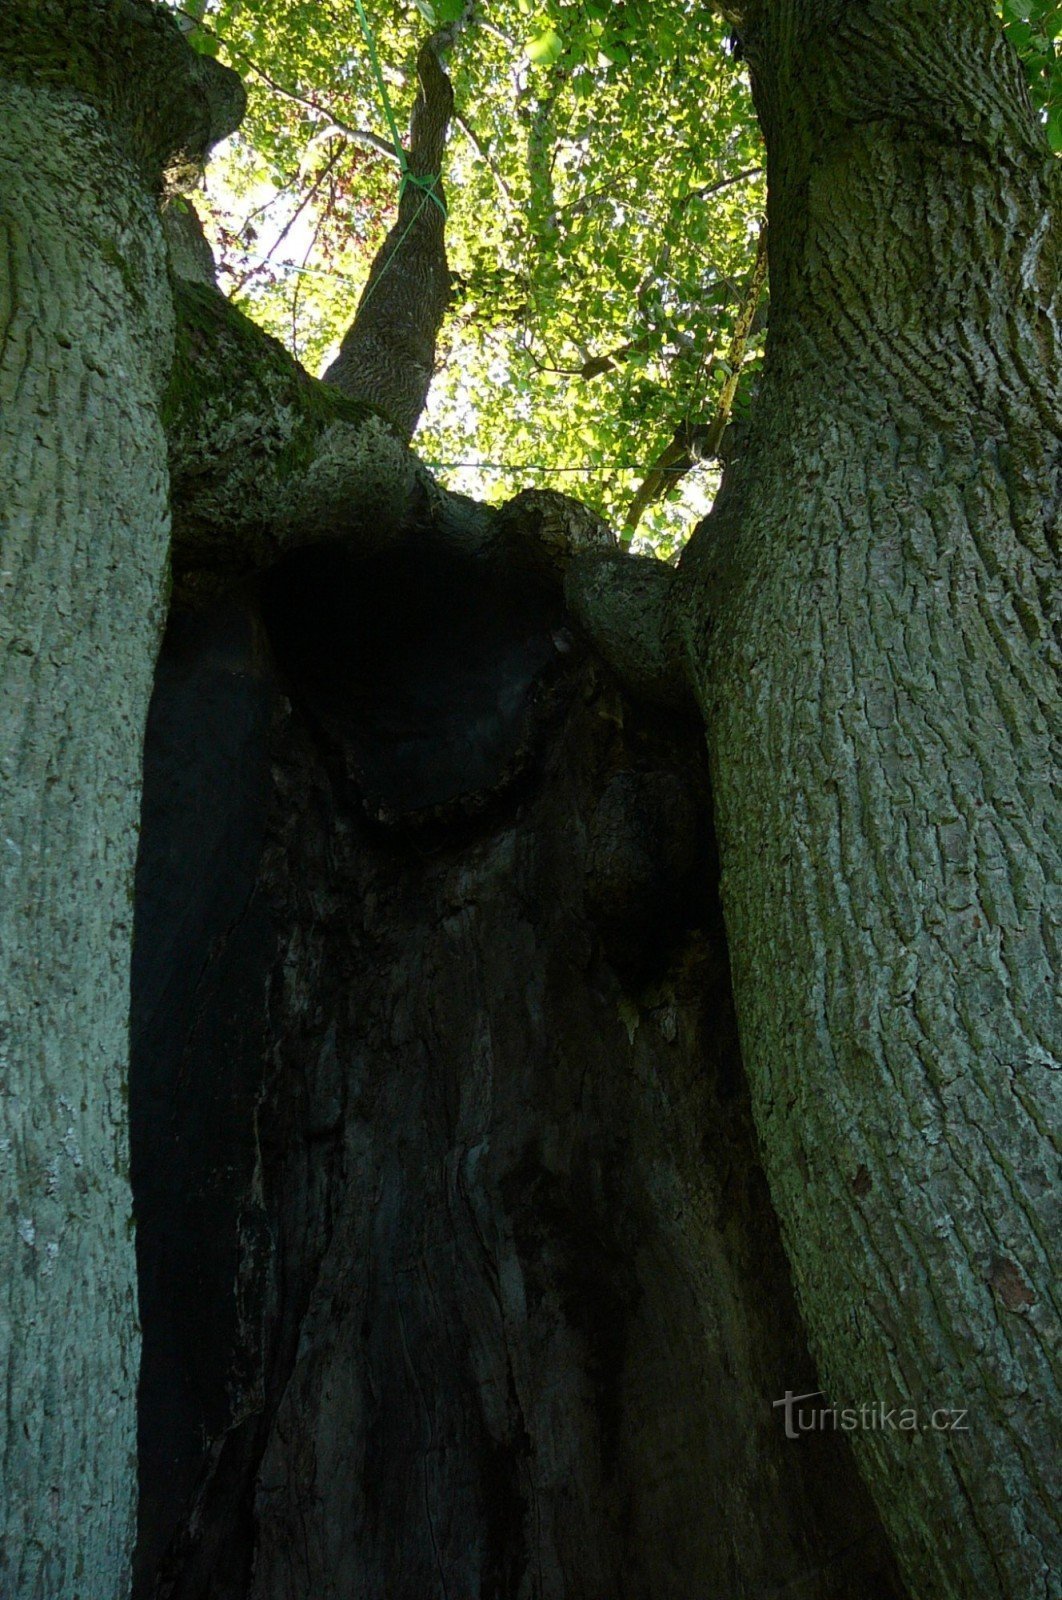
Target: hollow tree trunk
{"x":454,"y":1247}
{"x":879,"y":684}
{"x":85,"y":330}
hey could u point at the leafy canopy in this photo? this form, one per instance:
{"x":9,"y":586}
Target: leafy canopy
{"x":605,"y":193}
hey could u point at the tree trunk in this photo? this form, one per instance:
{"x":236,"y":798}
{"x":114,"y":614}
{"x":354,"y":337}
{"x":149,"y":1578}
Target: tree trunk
{"x":454,"y":1247}
{"x":76,"y":684}
{"x":457,"y":1272}
{"x":879,"y":682}
{"x":86,"y":329}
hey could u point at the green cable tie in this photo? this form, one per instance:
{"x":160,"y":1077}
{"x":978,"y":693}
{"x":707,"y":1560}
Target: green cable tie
{"x":427,"y":184}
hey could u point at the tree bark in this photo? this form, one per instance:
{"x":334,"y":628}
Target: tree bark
{"x":262,"y":457}
{"x":86,"y":328}
{"x":879,"y":682}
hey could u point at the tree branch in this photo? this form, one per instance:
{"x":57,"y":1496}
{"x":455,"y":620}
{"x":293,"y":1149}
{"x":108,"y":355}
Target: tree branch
{"x":723,"y":183}
{"x":260,"y":266}
{"x":194,"y":23}
{"x":262,"y":457}
{"x":388,"y":354}
{"x":362,"y":136}
{"x":485,"y":156}
{"x":669,"y":468}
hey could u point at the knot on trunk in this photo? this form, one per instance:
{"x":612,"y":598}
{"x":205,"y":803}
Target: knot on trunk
{"x":541,"y":531}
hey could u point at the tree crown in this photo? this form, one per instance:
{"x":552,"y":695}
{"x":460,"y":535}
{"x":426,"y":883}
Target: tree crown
{"x":605,"y":196}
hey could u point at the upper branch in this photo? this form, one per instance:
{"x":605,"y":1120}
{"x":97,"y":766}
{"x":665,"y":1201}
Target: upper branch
{"x":388,"y":354}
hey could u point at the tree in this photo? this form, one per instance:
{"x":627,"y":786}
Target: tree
{"x":91,"y":114}
{"x":427,"y":977}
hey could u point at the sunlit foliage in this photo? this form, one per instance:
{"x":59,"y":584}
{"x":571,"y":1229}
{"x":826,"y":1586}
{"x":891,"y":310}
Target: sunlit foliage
{"x":605,"y":190}
{"x":1034,"y":28}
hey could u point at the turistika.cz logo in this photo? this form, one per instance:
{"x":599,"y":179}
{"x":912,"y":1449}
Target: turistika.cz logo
{"x":875,"y":1416}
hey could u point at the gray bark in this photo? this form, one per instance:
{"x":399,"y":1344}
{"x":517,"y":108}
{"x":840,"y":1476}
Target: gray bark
{"x":263,"y":458}
{"x":190,"y":255}
{"x":872,"y":618}
{"x":626,"y":604}
{"x":85,"y":336}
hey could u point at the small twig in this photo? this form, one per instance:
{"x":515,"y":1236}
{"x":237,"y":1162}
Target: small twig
{"x":340,"y":130}
{"x":723,"y":183}
{"x":310,"y":248}
{"x":267,"y":205}
{"x":497,"y":33}
{"x":676,"y":458}
{"x":296,"y":214}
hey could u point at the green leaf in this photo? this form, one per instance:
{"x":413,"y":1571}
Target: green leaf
{"x":1054,"y":128}
{"x":595,"y":249}
{"x":546,"y":47}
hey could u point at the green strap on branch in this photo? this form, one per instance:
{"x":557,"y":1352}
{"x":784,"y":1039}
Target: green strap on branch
{"x":426,"y":183}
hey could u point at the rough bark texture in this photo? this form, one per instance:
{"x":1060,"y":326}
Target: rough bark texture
{"x":85,"y":336}
{"x":456,"y":1267}
{"x":262,"y":457}
{"x":454,"y":1249}
{"x":77,"y":675}
{"x":388,"y":356}
{"x":872,"y":614}
{"x":625,"y":604}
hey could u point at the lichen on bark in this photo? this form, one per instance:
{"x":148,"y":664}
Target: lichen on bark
{"x":263,"y":457}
